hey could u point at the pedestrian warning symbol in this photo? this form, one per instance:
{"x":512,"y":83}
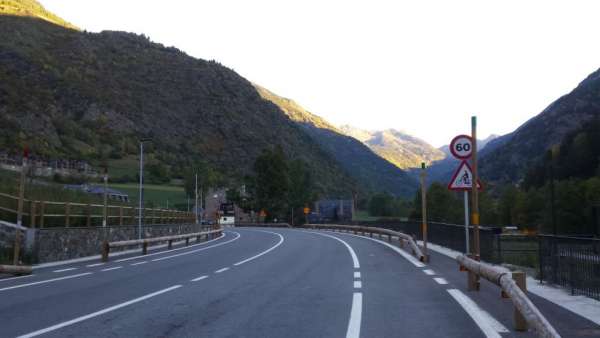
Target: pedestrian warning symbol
{"x":463,"y":178}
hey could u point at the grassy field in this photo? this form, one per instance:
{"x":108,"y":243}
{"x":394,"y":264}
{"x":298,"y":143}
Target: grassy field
{"x":156,"y":195}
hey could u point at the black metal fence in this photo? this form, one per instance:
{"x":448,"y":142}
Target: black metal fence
{"x":571,"y":262}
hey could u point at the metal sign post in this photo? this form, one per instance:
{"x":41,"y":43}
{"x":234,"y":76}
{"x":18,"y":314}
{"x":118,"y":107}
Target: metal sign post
{"x":466,"y":194}
{"x":462,"y":180}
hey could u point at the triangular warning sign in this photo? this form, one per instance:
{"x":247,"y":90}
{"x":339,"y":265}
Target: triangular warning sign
{"x":463,"y":178}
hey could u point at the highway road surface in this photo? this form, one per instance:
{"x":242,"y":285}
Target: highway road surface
{"x":264,"y":282}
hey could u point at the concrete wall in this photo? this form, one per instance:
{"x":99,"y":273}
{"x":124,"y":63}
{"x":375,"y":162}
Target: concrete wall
{"x":55,"y":244}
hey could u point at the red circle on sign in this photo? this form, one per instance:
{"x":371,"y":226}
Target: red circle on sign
{"x":460,"y":154}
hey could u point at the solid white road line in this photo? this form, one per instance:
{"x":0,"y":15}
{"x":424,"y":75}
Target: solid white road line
{"x":408,"y":257}
{"x":94,"y":265}
{"x":490,"y":327}
{"x":18,"y":277}
{"x":356,"y":274}
{"x":63,"y":270}
{"x":199,"y":278}
{"x":138,"y":263}
{"x":197,"y":250}
{"x":167,"y":251}
{"x":264,"y":252}
{"x":45,"y":281}
{"x":352,"y":253}
{"x":441,"y":281}
{"x":429,"y":272}
{"x":355,"y":316}
{"x":221,"y":270}
{"x":357,"y":284}
{"x":110,"y":269}
{"x":98,"y":313}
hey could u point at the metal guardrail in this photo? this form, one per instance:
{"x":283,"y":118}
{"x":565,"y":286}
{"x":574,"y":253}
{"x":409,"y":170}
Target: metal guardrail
{"x":16,"y":269}
{"x":370,"y":230}
{"x":514,"y":286}
{"x":106,"y":246}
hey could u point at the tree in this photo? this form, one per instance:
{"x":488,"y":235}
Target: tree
{"x":272,"y":183}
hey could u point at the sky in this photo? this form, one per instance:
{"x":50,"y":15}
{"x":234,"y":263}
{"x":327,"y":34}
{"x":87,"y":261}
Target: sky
{"x":423,"y":67}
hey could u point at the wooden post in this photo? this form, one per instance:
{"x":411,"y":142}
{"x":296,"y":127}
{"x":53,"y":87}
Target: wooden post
{"x":424,"y":212}
{"x":67,"y":214}
{"x":520,"y":280}
{"x":145,"y":248}
{"x":473,"y":279}
{"x":121,"y":215}
{"x":42,"y":213}
{"x":170,"y":244}
{"x":17,"y":248}
{"x":88,"y":215}
{"x":32,"y":214}
{"x":105,"y":251}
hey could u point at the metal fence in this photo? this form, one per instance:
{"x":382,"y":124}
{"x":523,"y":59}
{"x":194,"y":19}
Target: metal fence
{"x":571,"y":262}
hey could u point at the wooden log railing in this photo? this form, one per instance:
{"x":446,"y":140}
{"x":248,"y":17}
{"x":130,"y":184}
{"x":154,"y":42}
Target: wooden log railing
{"x":513,"y":285}
{"x":16,"y":269}
{"x":38,"y":213}
{"x":416,"y":251}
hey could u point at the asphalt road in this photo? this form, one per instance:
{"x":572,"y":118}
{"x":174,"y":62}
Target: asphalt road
{"x":255,"y":283}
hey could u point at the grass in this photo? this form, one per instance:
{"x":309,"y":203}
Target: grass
{"x":156,"y":195}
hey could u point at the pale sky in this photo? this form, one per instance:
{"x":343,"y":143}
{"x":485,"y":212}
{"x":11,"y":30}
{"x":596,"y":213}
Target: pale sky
{"x":423,"y":67}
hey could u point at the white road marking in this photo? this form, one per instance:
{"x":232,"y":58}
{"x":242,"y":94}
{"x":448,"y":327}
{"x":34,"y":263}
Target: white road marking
{"x":352,"y":253}
{"x":357,"y":284}
{"x":110,"y":269}
{"x":356,"y":274}
{"x":199,"y":278}
{"x":264,"y":252}
{"x":490,"y":327}
{"x":429,"y":272}
{"x":408,"y":257}
{"x":221,"y":270}
{"x":63,"y":270}
{"x":94,"y":265}
{"x":18,"y":277}
{"x":98,"y":313}
{"x":138,"y":263}
{"x":197,"y":250}
{"x":441,"y":281}
{"x":45,"y":281}
{"x":355,"y":316}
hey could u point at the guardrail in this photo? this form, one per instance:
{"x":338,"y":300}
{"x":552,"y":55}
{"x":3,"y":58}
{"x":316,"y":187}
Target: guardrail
{"x":370,"y":230}
{"x":513,"y":286}
{"x":106,"y":246}
{"x":16,"y":269}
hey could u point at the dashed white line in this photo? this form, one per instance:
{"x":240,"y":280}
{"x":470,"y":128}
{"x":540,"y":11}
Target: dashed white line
{"x":356,"y":274}
{"x":357,"y":284}
{"x":98,"y":313}
{"x":264,"y":252}
{"x":429,"y":272}
{"x":46,"y":281}
{"x":18,"y":277}
{"x":94,"y":265}
{"x":138,"y":263}
{"x":110,"y":269}
{"x":64,"y":270}
{"x":221,"y":270}
{"x":488,"y":325}
{"x":199,"y":278}
{"x":355,"y":316}
{"x":440,"y":280}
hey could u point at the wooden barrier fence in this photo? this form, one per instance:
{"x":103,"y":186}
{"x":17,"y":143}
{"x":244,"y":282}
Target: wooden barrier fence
{"x":39,"y":213}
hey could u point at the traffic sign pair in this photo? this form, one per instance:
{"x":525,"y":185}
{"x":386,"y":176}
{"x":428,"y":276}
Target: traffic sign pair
{"x":462,"y":147}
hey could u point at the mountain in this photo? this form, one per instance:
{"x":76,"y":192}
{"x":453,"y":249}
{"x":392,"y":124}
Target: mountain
{"x":403,"y":150}
{"x":78,"y":95}
{"x":31,"y":8}
{"x":358,"y":160}
{"x":507,"y":157}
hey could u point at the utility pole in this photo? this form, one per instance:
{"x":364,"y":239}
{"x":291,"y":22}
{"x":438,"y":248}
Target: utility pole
{"x":105,"y":210}
{"x":141,"y":204}
{"x":17,"y":250}
{"x":424,"y":212}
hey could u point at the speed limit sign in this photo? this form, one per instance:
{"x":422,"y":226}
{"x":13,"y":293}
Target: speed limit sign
{"x":461,"y":146}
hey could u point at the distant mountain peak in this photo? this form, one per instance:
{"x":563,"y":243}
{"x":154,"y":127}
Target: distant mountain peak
{"x":32,"y":8}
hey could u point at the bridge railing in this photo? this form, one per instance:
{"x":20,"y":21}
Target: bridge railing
{"x":514,"y":286}
{"x":416,"y":251}
{"x":145,"y":242}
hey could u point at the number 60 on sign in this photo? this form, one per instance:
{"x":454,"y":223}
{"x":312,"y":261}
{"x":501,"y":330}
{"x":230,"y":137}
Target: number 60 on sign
{"x":461,"y":146}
